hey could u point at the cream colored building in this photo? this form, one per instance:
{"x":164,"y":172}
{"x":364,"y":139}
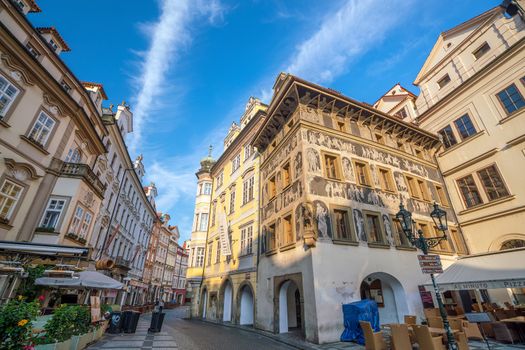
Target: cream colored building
{"x":473,"y":95}
{"x":333,"y":172}
{"x":228,"y":288}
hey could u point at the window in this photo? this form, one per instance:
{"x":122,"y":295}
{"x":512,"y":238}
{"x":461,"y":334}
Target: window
{"x":232,"y":200}
{"x":272,"y":190}
{"x":218,"y":254}
{"x":375,"y":234}
{"x":74,"y":156}
{"x":85,"y":224}
{"x":247,"y":190}
{"x":220,"y":179}
{"x":492,"y":183}
{"x":483,"y":49}
{"x":65,"y":86}
{"x":412,"y":187}
{"x":423,"y":189}
{"x":287,"y":230}
{"x":459,"y":242}
{"x":246,"y":240}
{"x":207,"y":188}
{"x":32,"y":51}
{"x":286,"y":175}
{"x":443,"y":81}
{"x":8,"y":93}
{"x":465,"y":127}
{"x":43,"y":126}
{"x":52,"y":213}
{"x":213,"y":213}
{"x":331,"y":167}
{"x":341,"y":224}
{"x":271,"y":237}
{"x":380,"y":139}
{"x":386,"y":181}
{"x":20,"y":4}
{"x":469,"y":191}
{"x":53,"y":45}
{"x":247,"y":152}
{"x":236,"y":162}
{"x":203,"y":224}
{"x":361,"y":170}
{"x":402,"y":113}
{"x":447,"y":136}
{"x":442,"y":196}
{"x":10,"y":194}
{"x":210,"y":253}
{"x":511,"y":99}
{"x":400,"y":237}
{"x":77,"y":220}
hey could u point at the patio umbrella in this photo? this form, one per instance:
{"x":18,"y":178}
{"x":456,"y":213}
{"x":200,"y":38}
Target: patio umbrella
{"x":84,"y":279}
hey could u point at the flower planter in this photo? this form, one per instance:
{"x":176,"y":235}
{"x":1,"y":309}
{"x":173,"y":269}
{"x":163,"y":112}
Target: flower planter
{"x":46,"y":347}
{"x":65,"y":345}
{"x":84,"y":340}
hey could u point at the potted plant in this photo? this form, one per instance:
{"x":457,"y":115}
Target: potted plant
{"x":45,"y":229}
{"x":82,"y":240}
{"x":67,"y":322}
{"x":16,"y":323}
{"x":72,"y":235}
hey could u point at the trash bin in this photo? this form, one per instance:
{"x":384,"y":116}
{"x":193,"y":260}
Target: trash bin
{"x":115,"y":322}
{"x":156,"y":322}
{"x":131,"y":319}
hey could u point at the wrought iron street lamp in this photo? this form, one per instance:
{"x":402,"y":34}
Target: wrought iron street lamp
{"x":417,"y":239}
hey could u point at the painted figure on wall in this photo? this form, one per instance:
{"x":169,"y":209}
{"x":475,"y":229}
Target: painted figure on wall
{"x":323,"y":220}
{"x":359,"y":225}
{"x":314,"y":164}
{"x":298,"y":164}
{"x":388,"y":229}
{"x":348,"y":170}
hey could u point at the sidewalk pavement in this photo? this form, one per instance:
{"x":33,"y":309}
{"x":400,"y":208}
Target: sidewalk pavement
{"x":141,"y":339}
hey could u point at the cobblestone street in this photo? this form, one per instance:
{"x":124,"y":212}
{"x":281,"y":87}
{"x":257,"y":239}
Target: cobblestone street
{"x":181,"y":334}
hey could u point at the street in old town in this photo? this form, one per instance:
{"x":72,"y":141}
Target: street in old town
{"x":262,"y":174}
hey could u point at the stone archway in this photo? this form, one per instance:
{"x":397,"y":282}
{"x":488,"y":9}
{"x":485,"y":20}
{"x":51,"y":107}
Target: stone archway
{"x":226,"y":297}
{"x":389,"y":294}
{"x":245,"y":304}
{"x":290,"y":314}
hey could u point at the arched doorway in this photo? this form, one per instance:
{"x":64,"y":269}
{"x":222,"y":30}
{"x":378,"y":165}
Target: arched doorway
{"x":290,"y":315}
{"x":246,"y":306}
{"x":512,"y":244}
{"x":389,"y":295}
{"x":227,"y":302}
{"x":204,"y":299}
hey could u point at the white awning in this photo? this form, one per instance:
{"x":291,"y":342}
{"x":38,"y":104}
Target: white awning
{"x":503,"y":269}
{"x":84,"y":279}
{"x":42,"y":249}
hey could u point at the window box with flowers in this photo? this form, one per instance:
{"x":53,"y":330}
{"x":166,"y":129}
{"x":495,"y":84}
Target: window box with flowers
{"x":45,"y":229}
{"x":72,"y":235}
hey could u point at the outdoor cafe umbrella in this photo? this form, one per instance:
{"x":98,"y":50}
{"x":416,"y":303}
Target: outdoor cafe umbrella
{"x":84,"y":279}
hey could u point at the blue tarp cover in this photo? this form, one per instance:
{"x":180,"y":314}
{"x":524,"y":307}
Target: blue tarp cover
{"x":364,"y":310}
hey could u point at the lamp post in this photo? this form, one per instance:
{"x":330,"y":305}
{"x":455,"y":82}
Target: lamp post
{"x":417,"y":239}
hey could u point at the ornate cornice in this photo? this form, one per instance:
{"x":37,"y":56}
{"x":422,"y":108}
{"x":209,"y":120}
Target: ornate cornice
{"x":8,"y":61}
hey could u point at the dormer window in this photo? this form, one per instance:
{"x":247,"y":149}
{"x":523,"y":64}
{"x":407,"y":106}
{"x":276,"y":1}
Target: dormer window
{"x":65,"y":86}
{"x":443,"y":81}
{"x":53,"y":45}
{"x":483,"y":49}
{"x":32,"y":51}
{"x":20,"y":4}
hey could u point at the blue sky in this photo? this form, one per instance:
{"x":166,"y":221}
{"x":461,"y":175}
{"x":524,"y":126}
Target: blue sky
{"x":187,"y":67}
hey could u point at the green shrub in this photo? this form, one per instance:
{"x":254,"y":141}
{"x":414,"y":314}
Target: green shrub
{"x":68,"y":320}
{"x":15,"y":322}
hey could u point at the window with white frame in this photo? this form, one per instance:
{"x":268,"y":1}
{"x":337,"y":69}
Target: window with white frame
{"x":32,"y":51}
{"x":81,"y":222}
{"x":203,"y":224}
{"x":246,"y":240}
{"x":77,"y":220}
{"x":54,"y":209}
{"x":200,"y":257}
{"x":42,"y":128}
{"x":236,"y":162}
{"x":8,"y":93}
{"x":74,"y":156}
{"x":10,"y":193}
{"x":207,"y":188}
{"x":247,"y":190}
{"x":220,"y":179}
{"x":232,"y":200}
{"x":248,"y":151}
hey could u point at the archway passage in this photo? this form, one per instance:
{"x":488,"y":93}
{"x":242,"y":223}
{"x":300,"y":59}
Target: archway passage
{"x":246,"y":306}
{"x":389,"y":295}
{"x":227,"y":303}
{"x":290,"y":310}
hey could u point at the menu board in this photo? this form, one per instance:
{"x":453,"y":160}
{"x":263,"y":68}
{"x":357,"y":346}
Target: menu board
{"x":95,"y":308}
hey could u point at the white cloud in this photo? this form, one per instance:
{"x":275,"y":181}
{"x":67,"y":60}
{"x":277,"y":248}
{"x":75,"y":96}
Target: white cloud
{"x":349,"y":32}
{"x":169,"y":36}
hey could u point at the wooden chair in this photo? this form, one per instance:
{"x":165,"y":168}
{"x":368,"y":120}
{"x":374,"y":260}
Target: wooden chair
{"x":459,"y":310}
{"x":456,"y":323}
{"x":373,"y":340}
{"x":435,"y":322}
{"x":476,"y":308}
{"x":400,"y":337}
{"x":410,"y":319}
{"x":431,"y":312}
{"x":462,"y":341}
{"x":472,"y":330}
{"x":426,"y":340}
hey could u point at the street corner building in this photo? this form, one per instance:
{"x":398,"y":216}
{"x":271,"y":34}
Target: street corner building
{"x":333,"y":172}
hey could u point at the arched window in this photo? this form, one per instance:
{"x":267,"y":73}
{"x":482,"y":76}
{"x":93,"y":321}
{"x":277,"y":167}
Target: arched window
{"x":513,"y":243}
{"x":74,"y":156}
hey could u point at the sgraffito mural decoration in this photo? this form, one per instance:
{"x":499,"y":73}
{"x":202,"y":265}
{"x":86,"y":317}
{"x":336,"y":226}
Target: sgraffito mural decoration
{"x":298,"y":165}
{"x":388,"y":229}
{"x":348,"y":170}
{"x":322,"y":218}
{"x":314,"y":162}
{"x":298,"y":221}
{"x":283,"y":200}
{"x":359,"y":225}
{"x":262,"y":243}
{"x":280,"y":156}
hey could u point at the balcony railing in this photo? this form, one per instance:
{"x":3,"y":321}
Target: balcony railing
{"x":121,"y":262}
{"x":83,"y":171}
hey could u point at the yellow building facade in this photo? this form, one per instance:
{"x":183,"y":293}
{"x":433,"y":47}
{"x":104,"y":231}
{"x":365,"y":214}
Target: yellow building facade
{"x":227,"y":292}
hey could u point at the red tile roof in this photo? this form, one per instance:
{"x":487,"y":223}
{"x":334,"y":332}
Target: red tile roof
{"x":53,"y":31}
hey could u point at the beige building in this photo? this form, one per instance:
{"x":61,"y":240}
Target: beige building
{"x":333,"y":172}
{"x":228,"y":288}
{"x":472,"y":95}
